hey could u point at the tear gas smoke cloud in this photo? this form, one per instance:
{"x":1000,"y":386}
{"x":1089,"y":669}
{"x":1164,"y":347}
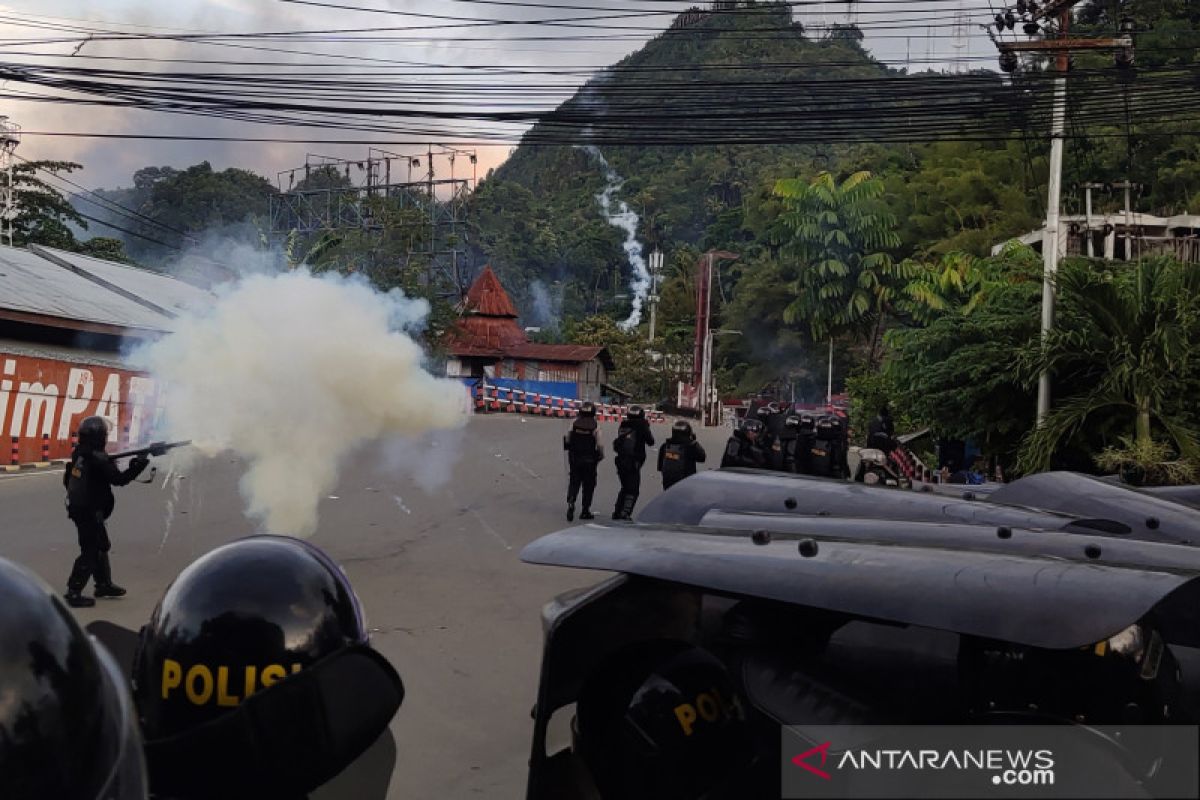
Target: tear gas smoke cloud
{"x":625,"y":219}
{"x":547,"y":305}
{"x":294,"y":372}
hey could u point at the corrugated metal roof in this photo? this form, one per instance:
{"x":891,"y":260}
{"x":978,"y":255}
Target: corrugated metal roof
{"x":164,"y":291}
{"x":75,"y":355}
{"x":571,"y":353}
{"x":33,"y":285}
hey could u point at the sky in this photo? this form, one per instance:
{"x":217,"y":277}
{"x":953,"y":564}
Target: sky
{"x":905,"y":32}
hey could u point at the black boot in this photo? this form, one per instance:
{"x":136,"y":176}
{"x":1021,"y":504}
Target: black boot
{"x":104,"y":585}
{"x":570,"y":511}
{"x":587,"y":514}
{"x":76,"y":600}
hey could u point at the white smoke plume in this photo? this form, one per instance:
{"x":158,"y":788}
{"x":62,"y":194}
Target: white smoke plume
{"x":294,"y":372}
{"x":547,"y":305}
{"x":625,"y":219}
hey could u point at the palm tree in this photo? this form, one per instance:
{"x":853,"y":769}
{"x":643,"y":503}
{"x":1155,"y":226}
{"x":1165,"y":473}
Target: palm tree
{"x":1127,"y":342}
{"x":839,"y":238}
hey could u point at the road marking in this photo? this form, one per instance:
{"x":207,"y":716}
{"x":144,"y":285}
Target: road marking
{"x":490,"y":529}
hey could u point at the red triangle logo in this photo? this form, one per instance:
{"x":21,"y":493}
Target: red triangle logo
{"x":802,"y":760}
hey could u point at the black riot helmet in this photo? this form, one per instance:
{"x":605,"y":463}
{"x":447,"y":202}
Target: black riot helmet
{"x":67,"y":726}
{"x":254,"y":677}
{"x":661,"y":719}
{"x":587,"y":409}
{"x":752,"y":427}
{"x":93,"y":433}
{"x":763,"y":412}
{"x":635,"y":412}
{"x":681,"y":430}
{"x":792,"y":422}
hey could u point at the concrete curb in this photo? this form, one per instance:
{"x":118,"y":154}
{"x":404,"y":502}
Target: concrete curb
{"x":57,"y":462}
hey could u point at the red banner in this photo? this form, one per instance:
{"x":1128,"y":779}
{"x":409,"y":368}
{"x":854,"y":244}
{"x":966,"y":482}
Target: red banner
{"x":42,"y":402}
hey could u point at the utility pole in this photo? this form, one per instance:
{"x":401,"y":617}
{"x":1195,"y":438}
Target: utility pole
{"x":656,"y":262}
{"x":1060,"y":45}
{"x":10,"y":137}
{"x":829,"y":385}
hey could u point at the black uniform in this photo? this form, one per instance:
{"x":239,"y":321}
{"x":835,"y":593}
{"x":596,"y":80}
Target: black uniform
{"x":784,"y":449}
{"x":582,"y":444}
{"x":880,"y":432}
{"x":678,"y":456}
{"x":89,"y":479}
{"x":629,"y":454}
{"x":740,"y":451}
{"x":828,"y":453}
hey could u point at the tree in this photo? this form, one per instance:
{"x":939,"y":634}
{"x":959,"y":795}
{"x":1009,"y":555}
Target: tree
{"x":1131,"y":349}
{"x":958,"y":282}
{"x":104,"y":247}
{"x":957,"y":372}
{"x":44,"y":215}
{"x":840,"y":238}
{"x":634,"y":370}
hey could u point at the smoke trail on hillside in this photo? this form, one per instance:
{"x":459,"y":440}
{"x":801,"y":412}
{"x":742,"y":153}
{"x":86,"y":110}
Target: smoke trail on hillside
{"x":547,"y":306}
{"x":295,"y":372}
{"x":625,"y":219}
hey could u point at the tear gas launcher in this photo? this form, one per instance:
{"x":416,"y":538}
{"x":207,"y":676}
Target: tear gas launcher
{"x":152,"y":449}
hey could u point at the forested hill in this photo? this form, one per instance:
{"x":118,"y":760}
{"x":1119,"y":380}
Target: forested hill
{"x":537,"y":218}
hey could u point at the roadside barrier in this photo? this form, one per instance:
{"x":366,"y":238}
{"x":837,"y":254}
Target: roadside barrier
{"x":498,"y":399}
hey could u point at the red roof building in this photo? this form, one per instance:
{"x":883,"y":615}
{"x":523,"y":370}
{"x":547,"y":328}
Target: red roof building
{"x":489,"y":343}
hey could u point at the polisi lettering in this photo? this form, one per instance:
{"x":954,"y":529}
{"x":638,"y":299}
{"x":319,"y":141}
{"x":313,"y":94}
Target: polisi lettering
{"x":223,"y":685}
{"x":708,"y":706}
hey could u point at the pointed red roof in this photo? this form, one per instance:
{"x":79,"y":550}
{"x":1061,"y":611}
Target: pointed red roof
{"x":488,"y":298}
{"x":489,"y":319}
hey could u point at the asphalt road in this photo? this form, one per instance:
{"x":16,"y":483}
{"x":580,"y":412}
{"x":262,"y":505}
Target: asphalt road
{"x":436,"y":568}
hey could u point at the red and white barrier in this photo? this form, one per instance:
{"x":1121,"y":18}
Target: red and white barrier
{"x":498,"y":399}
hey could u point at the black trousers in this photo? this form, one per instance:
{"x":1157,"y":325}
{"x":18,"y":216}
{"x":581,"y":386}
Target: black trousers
{"x":93,"y":552}
{"x":582,"y":475}
{"x":630,"y":476}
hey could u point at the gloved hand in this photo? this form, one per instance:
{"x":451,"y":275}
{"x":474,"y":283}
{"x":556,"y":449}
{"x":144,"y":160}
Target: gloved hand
{"x":139,"y":463}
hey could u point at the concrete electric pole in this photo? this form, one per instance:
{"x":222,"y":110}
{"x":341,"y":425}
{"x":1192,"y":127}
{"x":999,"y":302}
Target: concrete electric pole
{"x":1058,"y":44}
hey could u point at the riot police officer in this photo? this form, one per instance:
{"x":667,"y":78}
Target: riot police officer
{"x":784,"y":452}
{"x":678,"y":456}
{"x":629,"y":454}
{"x":67,"y":724}
{"x":88,"y":479}
{"x":806,"y":432}
{"x":829,"y":448}
{"x":255,"y":677}
{"x":664,"y":720}
{"x":881,"y":431}
{"x":744,"y":448}
{"x":584,"y":453}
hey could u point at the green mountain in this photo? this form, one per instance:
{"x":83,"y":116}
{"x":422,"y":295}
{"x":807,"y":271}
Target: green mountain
{"x":537,"y":221}
{"x":536,"y":218}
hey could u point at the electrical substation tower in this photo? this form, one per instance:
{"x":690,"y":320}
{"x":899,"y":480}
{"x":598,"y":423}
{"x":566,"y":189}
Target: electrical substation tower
{"x":10,"y":137}
{"x":427,"y":183}
{"x":961,"y":41}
